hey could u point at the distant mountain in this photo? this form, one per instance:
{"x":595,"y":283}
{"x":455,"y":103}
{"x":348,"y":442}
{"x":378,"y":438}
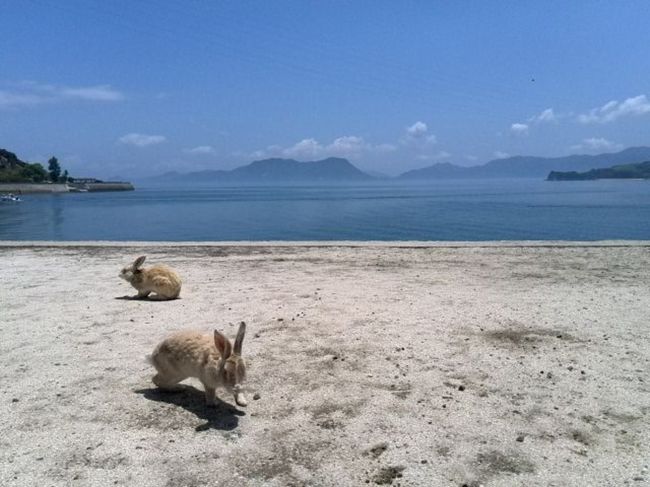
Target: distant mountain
{"x":332,"y":169}
{"x":623,"y":171}
{"x":530,"y":167}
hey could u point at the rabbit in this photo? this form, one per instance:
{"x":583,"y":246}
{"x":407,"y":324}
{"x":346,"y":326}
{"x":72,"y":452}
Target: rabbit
{"x":158,"y":279}
{"x":210,"y":358}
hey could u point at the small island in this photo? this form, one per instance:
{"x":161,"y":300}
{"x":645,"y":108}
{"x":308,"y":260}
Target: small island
{"x":640,"y":170}
{"x":18,"y":176}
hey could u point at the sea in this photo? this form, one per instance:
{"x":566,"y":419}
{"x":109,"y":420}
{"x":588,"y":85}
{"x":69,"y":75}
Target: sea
{"x":446,"y":210}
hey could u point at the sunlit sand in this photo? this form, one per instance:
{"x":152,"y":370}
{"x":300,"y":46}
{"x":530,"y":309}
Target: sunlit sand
{"x":416,"y":364}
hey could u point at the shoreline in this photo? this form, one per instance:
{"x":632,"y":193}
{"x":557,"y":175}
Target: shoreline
{"x":330,"y":243}
{"x":61,"y":188}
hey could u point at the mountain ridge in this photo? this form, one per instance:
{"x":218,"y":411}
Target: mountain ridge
{"x":530,"y":166}
{"x":276,"y":170}
{"x":336,"y":169}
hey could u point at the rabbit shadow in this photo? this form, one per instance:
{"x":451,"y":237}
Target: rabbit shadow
{"x":221,"y":416}
{"x":146,"y":299}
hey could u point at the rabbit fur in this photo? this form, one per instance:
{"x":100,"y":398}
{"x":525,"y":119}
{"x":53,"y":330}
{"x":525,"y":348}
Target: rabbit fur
{"x":210,"y":358}
{"x":157,"y":279}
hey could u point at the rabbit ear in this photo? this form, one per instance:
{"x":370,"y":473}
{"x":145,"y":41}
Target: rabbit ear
{"x":223,"y":344}
{"x":139,"y":261}
{"x":240,"y":338}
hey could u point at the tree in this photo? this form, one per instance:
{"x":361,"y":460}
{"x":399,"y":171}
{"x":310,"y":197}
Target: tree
{"x":65,"y":177}
{"x":34,"y":173}
{"x":54,"y":169}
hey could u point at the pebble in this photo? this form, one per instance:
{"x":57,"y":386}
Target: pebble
{"x":461,"y":388}
{"x":520,"y":438}
{"x":256,"y":396}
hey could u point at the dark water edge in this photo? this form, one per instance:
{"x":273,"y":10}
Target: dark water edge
{"x":469,"y":210}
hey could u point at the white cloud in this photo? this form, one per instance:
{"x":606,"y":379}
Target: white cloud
{"x":418,"y":134}
{"x":29,"y":93}
{"x":500,"y":154}
{"x":141,"y":140}
{"x":347,"y":146}
{"x":304,"y":149}
{"x":418,"y":129}
{"x":11,"y":100}
{"x":93,"y":93}
{"x":596,"y":144}
{"x":547,"y":116}
{"x":519,"y":129}
{"x":613,"y":110}
{"x":270,"y":151}
{"x":200,"y":150}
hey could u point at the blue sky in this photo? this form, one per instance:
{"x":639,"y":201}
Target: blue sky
{"x":132,"y":88}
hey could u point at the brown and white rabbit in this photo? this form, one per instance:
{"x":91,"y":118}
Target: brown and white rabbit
{"x":158,"y":279}
{"x":210,"y":358}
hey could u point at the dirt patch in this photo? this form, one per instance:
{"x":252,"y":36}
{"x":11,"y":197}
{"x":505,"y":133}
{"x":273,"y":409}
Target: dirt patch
{"x":519,"y":335}
{"x":386,"y":475}
{"x":581,"y":437}
{"x":376,"y":450}
{"x":495,"y":462}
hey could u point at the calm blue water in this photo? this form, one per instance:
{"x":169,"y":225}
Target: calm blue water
{"x":516,"y":209}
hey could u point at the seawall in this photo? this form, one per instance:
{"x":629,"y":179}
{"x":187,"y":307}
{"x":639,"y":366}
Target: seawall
{"x":108,"y":186}
{"x":23,"y":188}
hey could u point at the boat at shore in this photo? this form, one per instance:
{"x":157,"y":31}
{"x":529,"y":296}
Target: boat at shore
{"x":10,"y":198}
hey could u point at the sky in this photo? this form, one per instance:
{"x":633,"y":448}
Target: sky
{"x":135,"y":88}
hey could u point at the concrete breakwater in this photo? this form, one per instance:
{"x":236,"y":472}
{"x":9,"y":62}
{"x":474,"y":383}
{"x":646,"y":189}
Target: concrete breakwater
{"x":107,"y":186}
{"x":23,"y":188}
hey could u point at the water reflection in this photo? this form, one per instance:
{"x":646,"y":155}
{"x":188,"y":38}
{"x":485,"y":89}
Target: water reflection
{"x":57,"y":209}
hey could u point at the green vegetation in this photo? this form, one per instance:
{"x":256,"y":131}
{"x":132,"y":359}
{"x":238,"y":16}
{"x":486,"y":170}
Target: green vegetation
{"x":13,"y":170}
{"x":623,"y":171}
{"x":54,"y":168}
